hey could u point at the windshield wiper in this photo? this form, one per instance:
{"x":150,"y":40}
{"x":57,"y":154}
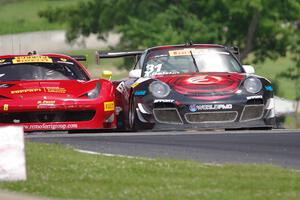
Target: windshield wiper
{"x":194,"y":61}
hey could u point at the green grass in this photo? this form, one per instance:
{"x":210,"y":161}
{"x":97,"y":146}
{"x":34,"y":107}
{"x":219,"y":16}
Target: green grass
{"x":59,"y":172}
{"x":18,"y":16}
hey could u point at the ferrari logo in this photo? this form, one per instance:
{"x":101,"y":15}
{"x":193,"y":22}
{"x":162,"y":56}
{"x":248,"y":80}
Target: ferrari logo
{"x":109,"y":106}
{"x":5,"y":107}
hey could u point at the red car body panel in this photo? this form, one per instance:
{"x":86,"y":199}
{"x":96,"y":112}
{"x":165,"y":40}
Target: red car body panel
{"x":56,"y":104}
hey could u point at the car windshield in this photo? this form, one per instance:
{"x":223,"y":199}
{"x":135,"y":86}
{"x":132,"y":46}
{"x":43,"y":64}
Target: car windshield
{"x":187,"y":60}
{"x":41,"y":71}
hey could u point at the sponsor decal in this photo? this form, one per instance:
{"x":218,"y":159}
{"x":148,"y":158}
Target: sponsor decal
{"x":164,"y":101}
{"x":188,"y":51}
{"x":255,"y":97}
{"x":269,"y":88}
{"x":31,"y":59}
{"x":26,"y":91}
{"x":50,"y":126}
{"x":47,"y":89}
{"x":5,"y":107}
{"x":140,"y":93}
{"x":195,"y":107}
{"x":122,"y":89}
{"x":204,"y":79}
{"x":134,"y":84}
{"x":55,"y":90}
{"x":192,"y":108}
{"x":46,"y":104}
{"x":109,"y":106}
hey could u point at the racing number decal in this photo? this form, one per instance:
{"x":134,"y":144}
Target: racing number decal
{"x":152,"y":69}
{"x":109,"y":106}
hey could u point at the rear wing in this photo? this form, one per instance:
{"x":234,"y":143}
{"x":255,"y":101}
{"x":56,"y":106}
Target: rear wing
{"x":100,"y":54}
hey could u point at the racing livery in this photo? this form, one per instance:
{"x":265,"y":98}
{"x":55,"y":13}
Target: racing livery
{"x":53,"y":92}
{"x":192,"y":85}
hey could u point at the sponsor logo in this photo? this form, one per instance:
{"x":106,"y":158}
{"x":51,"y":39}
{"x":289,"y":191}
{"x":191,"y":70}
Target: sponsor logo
{"x":5,"y":107}
{"x":269,"y":88}
{"x":47,"y":89}
{"x":140,"y":93}
{"x":255,"y":97}
{"x":109,"y":106}
{"x":45,"y":104}
{"x":55,"y":90}
{"x":164,"y":101}
{"x":134,"y":84}
{"x":122,"y":89}
{"x":194,"y":107}
{"x":26,"y":91}
{"x":31,"y":59}
{"x":50,"y":126}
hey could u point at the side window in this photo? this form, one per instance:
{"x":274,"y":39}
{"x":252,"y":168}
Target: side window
{"x":138,"y":62}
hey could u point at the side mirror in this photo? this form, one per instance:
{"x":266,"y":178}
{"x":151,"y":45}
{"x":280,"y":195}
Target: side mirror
{"x":106,"y":74}
{"x":249,"y":69}
{"x":136,"y":73}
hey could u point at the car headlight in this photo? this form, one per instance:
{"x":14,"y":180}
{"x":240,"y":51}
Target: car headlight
{"x":252,"y":85}
{"x":159,"y":89}
{"x":94,"y":93}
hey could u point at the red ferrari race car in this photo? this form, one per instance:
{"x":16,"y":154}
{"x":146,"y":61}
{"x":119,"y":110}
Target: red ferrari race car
{"x":53,"y":92}
{"x":193,"y":86}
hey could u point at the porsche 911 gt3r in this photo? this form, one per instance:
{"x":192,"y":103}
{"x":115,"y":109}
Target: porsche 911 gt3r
{"x":53,"y":92}
{"x":202,"y":86}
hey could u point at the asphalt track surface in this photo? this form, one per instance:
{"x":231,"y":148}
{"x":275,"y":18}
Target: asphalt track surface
{"x":276,"y":147}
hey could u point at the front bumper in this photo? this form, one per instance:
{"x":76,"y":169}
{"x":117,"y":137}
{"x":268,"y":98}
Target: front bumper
{"x":70,"y":114}
{"x":225,"y":114}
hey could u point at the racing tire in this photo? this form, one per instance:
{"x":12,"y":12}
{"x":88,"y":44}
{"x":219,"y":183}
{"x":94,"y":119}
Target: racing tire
{"x":133,"y":121}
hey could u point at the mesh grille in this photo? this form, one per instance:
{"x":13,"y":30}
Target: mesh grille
{"x":252,"y":112}
{"x":54,"y":116}
{"x":169,"y":116}
{"x":212,"y":117}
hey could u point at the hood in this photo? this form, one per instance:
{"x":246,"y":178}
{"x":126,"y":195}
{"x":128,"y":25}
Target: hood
{"x":41,"y":89}
{"x":205,"y":85}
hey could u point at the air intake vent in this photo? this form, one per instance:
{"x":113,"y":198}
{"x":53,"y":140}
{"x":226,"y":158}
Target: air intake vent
{"x":211,"y":117}
{"x":167,"y":115}
{"x":252,"y":112}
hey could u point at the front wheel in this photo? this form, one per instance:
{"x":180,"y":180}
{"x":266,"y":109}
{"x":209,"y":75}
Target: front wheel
{"x":134,"y":123}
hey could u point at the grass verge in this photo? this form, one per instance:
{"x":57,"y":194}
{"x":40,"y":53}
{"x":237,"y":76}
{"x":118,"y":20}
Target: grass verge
{"x":18,"y":16}
{"x":60,"y":172}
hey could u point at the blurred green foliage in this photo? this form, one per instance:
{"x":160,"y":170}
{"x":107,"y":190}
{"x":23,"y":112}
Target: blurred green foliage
{"x":263,"y":28}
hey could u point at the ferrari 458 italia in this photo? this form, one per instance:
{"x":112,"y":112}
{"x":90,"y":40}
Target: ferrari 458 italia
{"x":53,"y":92}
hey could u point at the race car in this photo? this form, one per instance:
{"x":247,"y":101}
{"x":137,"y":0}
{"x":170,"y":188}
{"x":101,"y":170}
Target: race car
{"x":53,"y":92}
{"x":192,"y":86}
